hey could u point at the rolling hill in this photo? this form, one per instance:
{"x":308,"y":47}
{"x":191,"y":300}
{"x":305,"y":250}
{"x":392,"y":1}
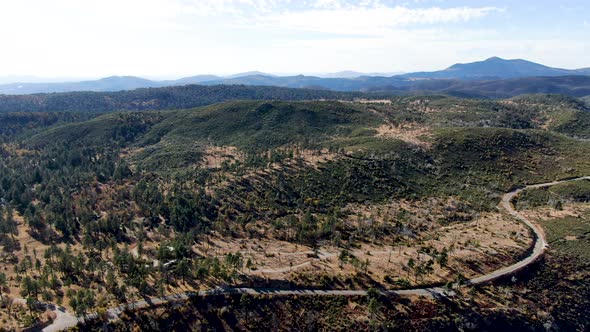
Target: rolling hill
{"x":220,"y":192}
{"x":482,"y":71}
{"x":113,"y":83}
{"x":198,"y":95}
{"x":161,"y":98}
{"x":574,"y":86}
{"x":496,"y":145}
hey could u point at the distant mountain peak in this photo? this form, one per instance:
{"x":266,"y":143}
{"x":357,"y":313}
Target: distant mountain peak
{"x":250,"y":73}
{"x":488,"y":61}
{"x":122,"y":78}
{"x":495,"y":68}
{"x":492,"y":68}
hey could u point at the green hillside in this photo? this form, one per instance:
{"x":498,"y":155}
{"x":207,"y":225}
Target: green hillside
{"x":177,"y":186}
{"x":478,"y":149}
{"x":263,"y":125}
{"x":483,"y":162}
{"x":175,"y":97}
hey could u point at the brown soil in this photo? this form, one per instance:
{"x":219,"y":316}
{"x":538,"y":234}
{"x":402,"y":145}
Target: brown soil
{"x":476,"y":247}
{"x":412,"y":134}
{"x":215,"y":156}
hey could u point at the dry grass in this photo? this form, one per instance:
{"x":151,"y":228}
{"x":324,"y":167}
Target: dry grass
{"x":373,"y":101}
{"x":477,"y":247}
{"x":215,"y":156}
{"x":482,"y":245}
{"x":314,"y":158}
{"x":411,"y":133}
{"x":548,"y":213}
{"x":15,"y":150}
{"x":29,"y":247}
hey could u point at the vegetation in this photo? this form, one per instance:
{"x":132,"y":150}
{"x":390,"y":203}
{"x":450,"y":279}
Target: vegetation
{"x":569,"y":236}
{"x":125,"y":205}
{"x":177,"y":97}
{"x":259,"y":126}
{"x":555,"y":196}
{"x":552,"y":295}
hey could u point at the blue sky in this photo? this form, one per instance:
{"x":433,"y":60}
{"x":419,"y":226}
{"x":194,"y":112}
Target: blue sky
{"x":173,"y":38}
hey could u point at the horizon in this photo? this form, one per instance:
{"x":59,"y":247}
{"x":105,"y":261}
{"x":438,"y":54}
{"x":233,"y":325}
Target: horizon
{"x":160,"y":39}
{"x":288,"y":165}
{"x":28,"y":79}
{"x":44,"y":79}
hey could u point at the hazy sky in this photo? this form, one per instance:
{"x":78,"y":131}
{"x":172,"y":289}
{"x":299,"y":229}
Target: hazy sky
{"x":169,"y":38}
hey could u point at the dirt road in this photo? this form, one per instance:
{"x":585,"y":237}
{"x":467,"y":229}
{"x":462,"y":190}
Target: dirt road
{"x":65,"y":320}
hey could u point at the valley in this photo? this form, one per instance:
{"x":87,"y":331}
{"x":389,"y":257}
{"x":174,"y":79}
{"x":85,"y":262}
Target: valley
{"x":435,"y":292}
{"x":278,"y":165}
{"x":335,"y":198}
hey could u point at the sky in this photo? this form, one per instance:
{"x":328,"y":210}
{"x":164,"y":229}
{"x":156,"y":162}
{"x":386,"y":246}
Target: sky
{"x":176,"y":38}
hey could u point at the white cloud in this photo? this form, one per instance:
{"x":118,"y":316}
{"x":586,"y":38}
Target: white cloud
{"x":186,"y":37}
{"x":374,"y":19}
{"x":58,"y":17}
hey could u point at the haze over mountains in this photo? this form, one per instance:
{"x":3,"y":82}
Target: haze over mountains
{"x":493,"y":75}
{"x":497,"y":68}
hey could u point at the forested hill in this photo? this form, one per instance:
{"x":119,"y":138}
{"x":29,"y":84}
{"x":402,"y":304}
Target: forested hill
{"x":190,"y":96}
{"x":178,"y":97}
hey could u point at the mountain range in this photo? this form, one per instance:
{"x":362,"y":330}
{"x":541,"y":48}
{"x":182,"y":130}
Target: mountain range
{"x":457,"y":77}
{"x":497,"y":68}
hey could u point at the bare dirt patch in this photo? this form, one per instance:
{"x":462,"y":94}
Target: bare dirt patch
{"x":411,"y":133}
{"x":414,"y":216}
{"x":30,"y":250}
{"x":474,"y":248}
{"x":314,"y":157}
{"x":548,"y":213}
{"x":373,"y":101}
{"x":216,"y":156}
{"x":368,"y":101}
{"x":15,"y":150}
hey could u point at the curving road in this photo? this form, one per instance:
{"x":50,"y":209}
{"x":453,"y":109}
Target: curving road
{"x":540,"y":241}
{"x":65,"y":320}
